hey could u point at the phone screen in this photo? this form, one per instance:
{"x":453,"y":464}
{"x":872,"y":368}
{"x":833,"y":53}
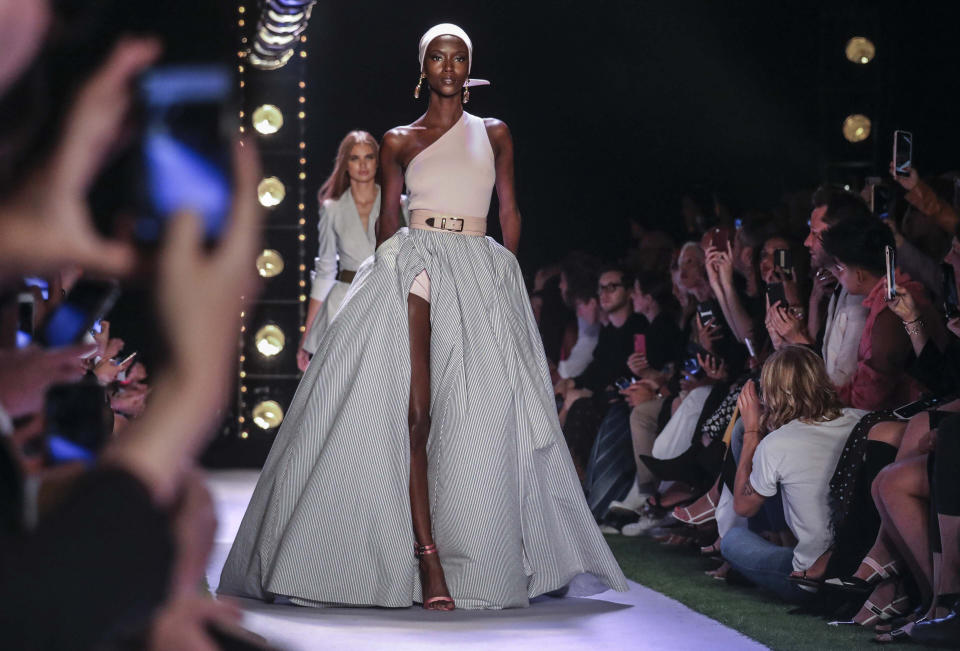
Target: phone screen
{"x":86,"y":304}
{"x":890,"y":257}
{"x":908,"y":411}
{"x":880,"y":201}
{"x":185,"y":149}
{"x":902,"y":152}
{"x":951,"y":303}
{"x":640,"y":344}
{"x":26,"y":316}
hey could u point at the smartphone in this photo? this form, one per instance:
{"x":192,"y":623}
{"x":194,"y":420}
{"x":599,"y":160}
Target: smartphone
{"x":783,"y":262}
{"x":79,"y":421}
{"x":184,"y":153}
{"x":84,"y":305}
{"x":890,"y":258}
{"x":718,"y":237}
{"x":749,"y":344}
{"x":879,"y":197}
{"x":691,"y":366}
{"x":775,"y":292}
{"x":640,"y":344}
{"x":909,"y":410}
{"x":951,"y":304}
{"x":902,"y":152}
{"x":26,"y":314}
{"x":623,"y":383}
{"x":706,"y":312}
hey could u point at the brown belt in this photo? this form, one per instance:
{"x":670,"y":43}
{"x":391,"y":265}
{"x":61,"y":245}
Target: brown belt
{"x":346,"y":276}
{"x":434,"y":221}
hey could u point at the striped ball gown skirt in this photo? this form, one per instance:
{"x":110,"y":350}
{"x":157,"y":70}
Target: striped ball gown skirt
{"x":329,"y":521}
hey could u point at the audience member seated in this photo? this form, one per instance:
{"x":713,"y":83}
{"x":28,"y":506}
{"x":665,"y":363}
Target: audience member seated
{"x":838,"y":324}
{"x":880,"y":380}
{"x":806,"y":427}
{"x":590,"y":318}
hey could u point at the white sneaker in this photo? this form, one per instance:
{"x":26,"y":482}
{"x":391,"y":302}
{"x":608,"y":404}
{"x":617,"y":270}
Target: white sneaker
{"x":644,"y":524}
{"x":610,"y":529}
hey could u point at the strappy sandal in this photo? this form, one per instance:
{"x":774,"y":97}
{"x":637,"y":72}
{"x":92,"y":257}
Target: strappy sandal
{"x":896,"y":608}
{"x":426,"y":550}
{"x":806,"y":583}
{"x":683,"y":514}
{"x":712,"y":551}
{"x":857,"y":585}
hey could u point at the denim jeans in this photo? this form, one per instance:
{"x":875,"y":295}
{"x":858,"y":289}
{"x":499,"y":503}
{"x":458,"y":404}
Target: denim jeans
{"x":765,"y":564}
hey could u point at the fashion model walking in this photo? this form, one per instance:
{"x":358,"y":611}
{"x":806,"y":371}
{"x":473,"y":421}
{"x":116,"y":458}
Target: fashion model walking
{"x":425,"y":425}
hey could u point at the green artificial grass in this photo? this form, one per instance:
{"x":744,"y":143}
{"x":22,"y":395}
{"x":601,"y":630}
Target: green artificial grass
{"x":679,"y":574}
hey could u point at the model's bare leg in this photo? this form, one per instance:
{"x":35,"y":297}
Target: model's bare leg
{"x":418,"y":418}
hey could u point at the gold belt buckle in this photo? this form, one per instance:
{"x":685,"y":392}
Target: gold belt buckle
{"x":443,"y":224}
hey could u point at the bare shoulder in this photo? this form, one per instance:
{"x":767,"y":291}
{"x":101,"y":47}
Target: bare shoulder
{"x":395,"y":138}
{"x":497,"y":129}
{"x":499,"y":134}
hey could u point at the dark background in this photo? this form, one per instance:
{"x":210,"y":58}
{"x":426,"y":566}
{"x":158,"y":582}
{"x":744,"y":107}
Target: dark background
{"x":618,"y":107}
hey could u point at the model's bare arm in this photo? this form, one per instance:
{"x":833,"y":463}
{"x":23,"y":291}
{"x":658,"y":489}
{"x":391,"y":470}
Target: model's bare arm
{"x":502,"y":143}
{"x":392,"y":173}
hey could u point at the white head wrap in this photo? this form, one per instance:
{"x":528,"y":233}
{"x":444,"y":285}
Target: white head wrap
{"x":445,"y":29}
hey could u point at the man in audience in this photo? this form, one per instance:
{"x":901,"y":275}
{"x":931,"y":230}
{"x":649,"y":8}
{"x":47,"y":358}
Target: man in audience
{"x":839,"y":327}
{"x":615,"y":342}
{"x":589,"y":323}
{"x":879,"y":380}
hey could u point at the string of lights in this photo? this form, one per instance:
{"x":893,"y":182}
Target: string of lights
{"x":281,"y":24}
{"x":267,"y":374}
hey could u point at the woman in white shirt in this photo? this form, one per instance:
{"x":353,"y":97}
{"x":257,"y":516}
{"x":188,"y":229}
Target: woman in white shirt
{"x":349,"y":208}
{"x":808,"y":428}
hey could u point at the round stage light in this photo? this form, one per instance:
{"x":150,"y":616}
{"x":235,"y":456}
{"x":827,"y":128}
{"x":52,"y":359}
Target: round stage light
{"x":270,"y":340}
{"x":856,"y":128}
{"x":267,"y":414}
{"x":267,"y":119}
{"x":269,"y":263}
{"x":270,"y":191}
{"x":860,"y":50}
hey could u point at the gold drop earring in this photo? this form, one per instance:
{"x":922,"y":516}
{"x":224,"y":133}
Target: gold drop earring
{"x":466,"y":92}
{"x":416,"y":91}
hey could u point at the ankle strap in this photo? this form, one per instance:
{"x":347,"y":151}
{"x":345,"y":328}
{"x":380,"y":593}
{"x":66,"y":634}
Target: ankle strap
{"x":424,"y":550}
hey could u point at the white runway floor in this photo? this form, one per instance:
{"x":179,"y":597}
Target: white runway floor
{"x":638,"y":619}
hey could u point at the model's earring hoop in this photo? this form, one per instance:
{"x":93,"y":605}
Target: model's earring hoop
{"x":416,"y":91}
{"x":466,"y":91}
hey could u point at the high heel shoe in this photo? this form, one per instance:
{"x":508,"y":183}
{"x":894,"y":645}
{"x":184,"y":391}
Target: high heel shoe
{"x":857,"y":585}
{"x":685,"y":515}
{"x":426,"y":550}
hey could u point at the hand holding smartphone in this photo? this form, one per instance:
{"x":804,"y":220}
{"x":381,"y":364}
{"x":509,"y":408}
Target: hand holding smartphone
{"x":951,"y":303}
{"x":902,"y":152}
{"x":84,"y":305}
{"x":185,"y":148}
{"x":783,"y":263}
{"x":776,"y":292}
{"x":890,"y":258}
